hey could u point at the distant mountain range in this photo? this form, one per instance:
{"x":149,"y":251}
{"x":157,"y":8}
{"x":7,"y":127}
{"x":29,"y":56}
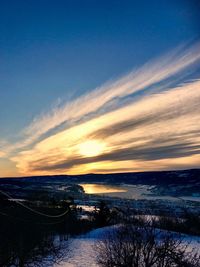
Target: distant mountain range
{"x":176,"y":183}
{"x":179,"y":177}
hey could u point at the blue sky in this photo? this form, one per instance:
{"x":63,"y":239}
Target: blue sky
{"x":52,"y":52}
{"x":58,"y":49}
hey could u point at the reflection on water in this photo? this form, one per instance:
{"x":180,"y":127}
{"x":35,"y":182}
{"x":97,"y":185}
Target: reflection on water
{"x":125,"y":191}
{"x":101,"y":189}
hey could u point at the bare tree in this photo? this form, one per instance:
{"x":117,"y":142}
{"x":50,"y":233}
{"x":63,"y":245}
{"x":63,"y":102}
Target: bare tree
{"x":143,"y":246}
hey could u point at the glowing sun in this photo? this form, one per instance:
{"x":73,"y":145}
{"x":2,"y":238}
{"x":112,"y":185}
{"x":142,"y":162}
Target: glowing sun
{"x":91,"y":148}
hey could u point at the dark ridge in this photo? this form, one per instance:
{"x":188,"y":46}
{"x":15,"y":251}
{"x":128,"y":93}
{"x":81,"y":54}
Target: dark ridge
{"x":191,"y":176}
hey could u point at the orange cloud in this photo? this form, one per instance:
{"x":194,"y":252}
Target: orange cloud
{"x":143,"y":121}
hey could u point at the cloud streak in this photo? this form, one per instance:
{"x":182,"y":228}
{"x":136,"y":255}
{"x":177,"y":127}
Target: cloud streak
{"x":108,"y":96}
{"x":145,"y":120}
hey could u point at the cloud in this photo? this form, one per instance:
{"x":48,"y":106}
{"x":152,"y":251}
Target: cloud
{"x":110,"y":95}
{"x":145,"y":121}
{"x":2,"y":154}
{"x":160,"y":127}
{"x":3,"y":144}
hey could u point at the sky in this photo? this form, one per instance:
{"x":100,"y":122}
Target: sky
{"x":99,"y":86}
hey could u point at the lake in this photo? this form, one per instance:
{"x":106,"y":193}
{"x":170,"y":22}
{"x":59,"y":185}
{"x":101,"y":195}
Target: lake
{"x":123,"y":191}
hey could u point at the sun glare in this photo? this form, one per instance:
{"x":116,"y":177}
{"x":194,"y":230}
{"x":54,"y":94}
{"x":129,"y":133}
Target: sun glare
{"x":91,"y":148}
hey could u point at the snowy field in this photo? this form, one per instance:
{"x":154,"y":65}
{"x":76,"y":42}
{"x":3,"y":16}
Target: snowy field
{"x":83,"y":255}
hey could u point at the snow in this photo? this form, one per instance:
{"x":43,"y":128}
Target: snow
{"x":83,"y":254}
{"x":86,"y":207}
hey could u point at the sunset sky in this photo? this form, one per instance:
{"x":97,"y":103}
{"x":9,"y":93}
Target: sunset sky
{"x":99,"y":86}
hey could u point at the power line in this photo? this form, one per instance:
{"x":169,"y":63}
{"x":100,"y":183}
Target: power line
{"x":28,"y":221}
{"x":35,"y":211}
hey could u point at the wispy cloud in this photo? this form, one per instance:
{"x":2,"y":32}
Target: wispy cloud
{"x":144,"y":120}
{"x":109,"y":95}
{"x":160,"y":127}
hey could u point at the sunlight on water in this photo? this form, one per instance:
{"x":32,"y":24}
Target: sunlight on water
{"x":126,"y":191}
{"x":101,"y":189}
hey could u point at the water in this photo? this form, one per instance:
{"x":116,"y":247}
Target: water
{"x":130,"y":192}
{"x":102,"y":189}
{"x":123,"y":191}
